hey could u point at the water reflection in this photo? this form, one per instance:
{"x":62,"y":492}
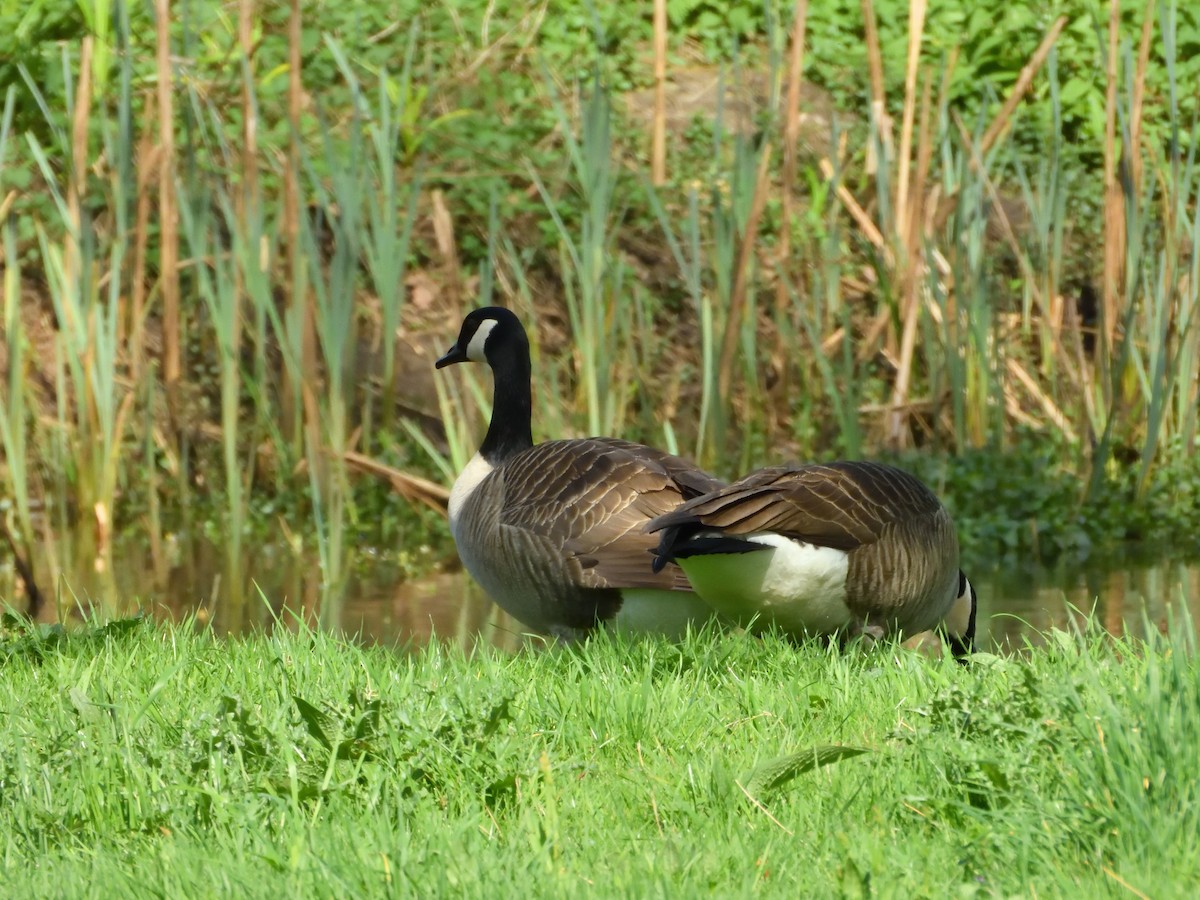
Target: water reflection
{"x":377,"y":605}
{"x":1018,"y":604}
{"x":277,"y":588}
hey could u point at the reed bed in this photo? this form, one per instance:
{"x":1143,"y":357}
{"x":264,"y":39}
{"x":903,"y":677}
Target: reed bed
{"x":227,"y":268}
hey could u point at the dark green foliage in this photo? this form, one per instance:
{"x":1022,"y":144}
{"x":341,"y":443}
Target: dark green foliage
{"x":1025,"y":499}
{"x":24,"y":641}
{"x":986,"y":733}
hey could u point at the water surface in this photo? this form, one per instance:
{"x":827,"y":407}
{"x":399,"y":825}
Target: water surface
{"x":376,"y":603}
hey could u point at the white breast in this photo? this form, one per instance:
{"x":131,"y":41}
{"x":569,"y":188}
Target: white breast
{"x":464,"y":485}
{"x":799,"y":586}
{"x":483,"y":555}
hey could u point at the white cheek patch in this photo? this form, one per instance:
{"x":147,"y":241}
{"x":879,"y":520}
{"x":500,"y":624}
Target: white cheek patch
{"x":958,"y":619}
{"x":475,"y":348}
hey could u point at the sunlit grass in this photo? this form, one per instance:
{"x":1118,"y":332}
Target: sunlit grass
{"x":155,"y":758}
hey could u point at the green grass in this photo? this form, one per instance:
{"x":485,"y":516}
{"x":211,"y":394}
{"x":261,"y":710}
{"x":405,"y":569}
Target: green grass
{"x":153,"y":760}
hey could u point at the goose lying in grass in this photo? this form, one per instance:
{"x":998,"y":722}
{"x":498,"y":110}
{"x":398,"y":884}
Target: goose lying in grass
{"x":843,"y":547}
{"x":555,"y":532}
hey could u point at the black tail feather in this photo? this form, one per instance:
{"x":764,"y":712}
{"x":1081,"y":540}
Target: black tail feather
{"x":680,"y":542}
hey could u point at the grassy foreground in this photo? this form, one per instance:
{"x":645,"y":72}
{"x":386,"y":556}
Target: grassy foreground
{"x":149,"y":760}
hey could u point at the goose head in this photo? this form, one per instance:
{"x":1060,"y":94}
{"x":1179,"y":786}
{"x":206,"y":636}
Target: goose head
{"x":960,"y":620}
{"x":489,"y":334}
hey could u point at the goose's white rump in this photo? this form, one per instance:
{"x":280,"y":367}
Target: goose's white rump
{"x":766,"y":583}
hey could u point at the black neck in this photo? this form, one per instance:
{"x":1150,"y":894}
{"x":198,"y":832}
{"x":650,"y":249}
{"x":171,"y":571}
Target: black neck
{"x":510,"y":430}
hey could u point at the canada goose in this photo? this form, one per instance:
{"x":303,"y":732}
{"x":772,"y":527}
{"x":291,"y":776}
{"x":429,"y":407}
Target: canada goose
{"x":842,"y":547}
{"x":555,"y":533}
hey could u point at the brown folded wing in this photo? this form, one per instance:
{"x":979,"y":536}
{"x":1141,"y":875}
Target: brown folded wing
{"x":590,"y":500}
{"x":844,"y":505}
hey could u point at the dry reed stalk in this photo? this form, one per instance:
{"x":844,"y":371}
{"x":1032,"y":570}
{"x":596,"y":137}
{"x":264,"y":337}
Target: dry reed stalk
{"x":102,"y":515}
{"x":245,"y":200}
{"x":149,"y":157}
{"x":1134,"y":161}
{"x":913,"y":233}
{"x":168,"y":215}
{"x":159,"y":566}
{"x":1002,"y":119}
{"x":1057,"y":304}
{"x":85,"y":404}
{"x":879,"y":111}
{"x":658,"y":143}
{"x":291,"y":187}
{"x":791,"y":135}
{"x":1012,"y":405}
{"x":1114,"y":201}
{"x":913,"y":276}
{"x":916,"y":27}
{"x":443,"y":235}
{"x":78,"y":175}
{"x":883,"y":125}
{"x":1050,"y":310}
{"x":868,"y":228}
{"x":872,"y":233}
{"x":1049,"y":407}
{"x":913,"y":405}
{"x":895,"y":422}
{"x":310,"y":606}
{"x":298,"y":293}
{"x":1024,"y":81}
{"x":1139,"y":98}
{"x":933,"y":202}
{"x":312,"y":435}
{"x":411,"y":487}
{"x":872,"y":335}
{"x":830,"y":342}
{"x":249,"y":118}
{"x":1114,"y":623}
{"x":741,"y":276}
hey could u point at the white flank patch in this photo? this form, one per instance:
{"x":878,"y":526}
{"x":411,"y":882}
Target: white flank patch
{"x":464,"y":485}
{"x":800,"y":587}
{"x":475,"y":348}
{"x":654,"y":611}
